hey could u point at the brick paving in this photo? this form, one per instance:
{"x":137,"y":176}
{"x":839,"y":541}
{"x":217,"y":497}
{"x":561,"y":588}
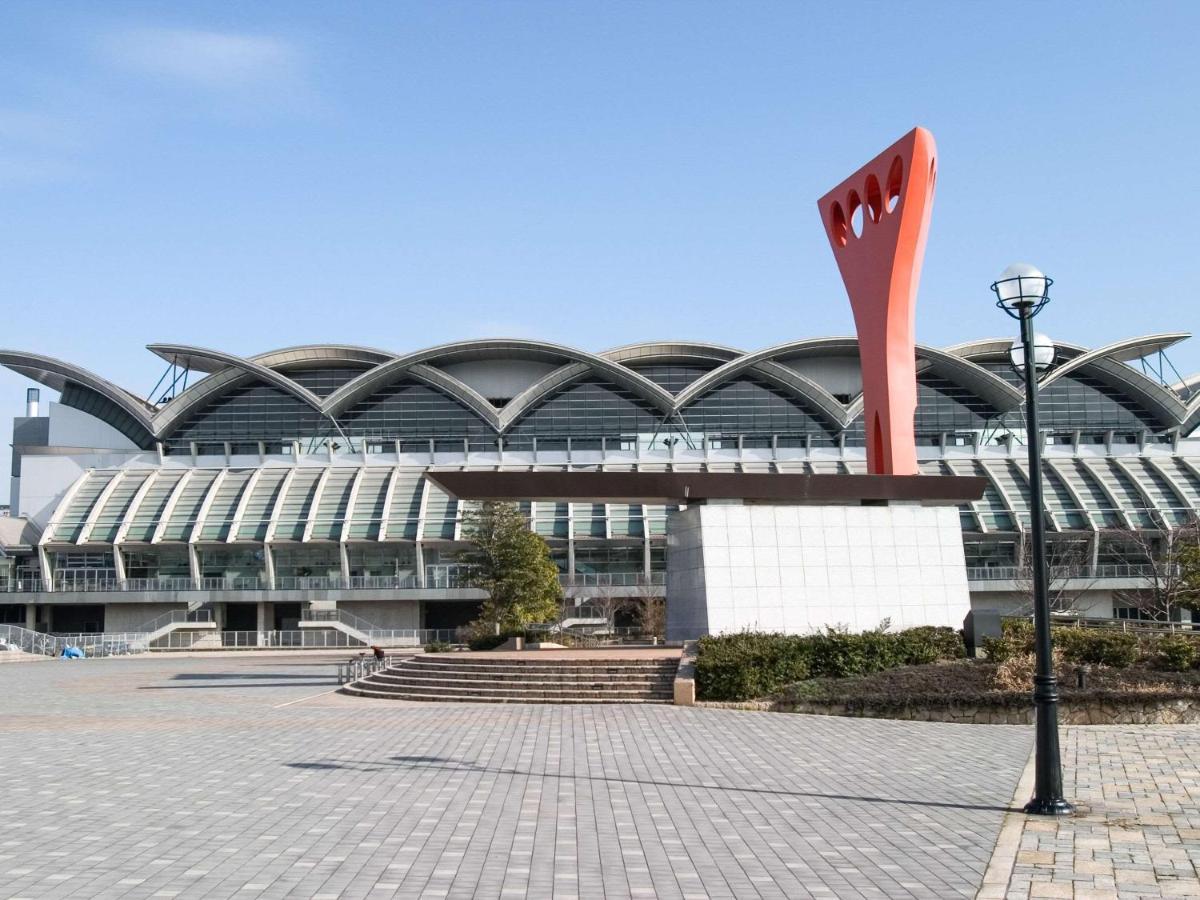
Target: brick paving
{"x":1136,"y":832}
{"x":224,"y":777}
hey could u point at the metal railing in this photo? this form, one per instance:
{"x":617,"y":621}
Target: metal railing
{"x":438,"y":577}
{"x":91,"y":643}
{"x":336,"y":582}
{"x":337,"y":615}
{"x":359,"y":667}
{"x":1017,"y":573}
{"x":196,"y":616}
{"x":613,"y":579}
{"x":412,"y":637}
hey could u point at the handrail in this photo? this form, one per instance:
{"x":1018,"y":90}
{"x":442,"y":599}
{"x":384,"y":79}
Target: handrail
{"x":177,"y":615}
{"x":1112,"y":570}
{"x":614,"y":579}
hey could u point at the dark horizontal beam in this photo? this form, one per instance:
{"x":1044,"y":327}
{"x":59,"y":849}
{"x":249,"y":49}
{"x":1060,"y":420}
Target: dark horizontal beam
{"x":677,"y":487}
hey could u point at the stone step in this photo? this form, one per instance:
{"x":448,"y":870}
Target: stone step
{"x":532,"y":696}
{"x":455,"y":698}
{"x":464,"y":659}
{"x":499,"y":669}
{"x":528,"y":684}
{"x":508,"y":677}
{"x":455,"y":678}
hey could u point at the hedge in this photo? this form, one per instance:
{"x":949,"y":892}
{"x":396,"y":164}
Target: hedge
{"x":1094,"y":646}
{"x":749,"y":665}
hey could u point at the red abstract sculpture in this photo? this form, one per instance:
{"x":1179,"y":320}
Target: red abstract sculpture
{"x":877,"y":221}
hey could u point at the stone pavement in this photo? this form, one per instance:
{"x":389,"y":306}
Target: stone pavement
{"x":226,"y":777}
{"x":1136,"y":832}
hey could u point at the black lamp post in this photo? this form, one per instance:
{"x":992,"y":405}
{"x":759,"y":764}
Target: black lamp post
{"x":1021,"y":291}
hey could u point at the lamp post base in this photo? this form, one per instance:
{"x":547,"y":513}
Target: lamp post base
{"x":1039,"y":807}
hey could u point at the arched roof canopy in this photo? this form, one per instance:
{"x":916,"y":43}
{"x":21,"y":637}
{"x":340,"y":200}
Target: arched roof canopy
{"x":322,"y":355}
{"x":447,"y":354}
{"x":1108,"y":363}
{"x":763,"y":362}
{"x":135,"y":415}
{"x":650,"y":352}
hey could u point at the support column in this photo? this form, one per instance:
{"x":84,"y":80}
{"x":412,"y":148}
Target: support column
{"x":419,"y":563}
{"x":269,"y":566}
{"x":262,"y":622}
{"x":31,"y":616}
{"x":194,"y":565}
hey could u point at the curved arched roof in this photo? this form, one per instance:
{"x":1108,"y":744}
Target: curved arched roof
{"x":376,"y":369}
{"x":56,"y":374}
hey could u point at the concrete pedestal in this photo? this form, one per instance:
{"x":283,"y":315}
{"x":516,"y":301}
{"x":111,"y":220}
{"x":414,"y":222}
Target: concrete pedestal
{"x":798,"y":568}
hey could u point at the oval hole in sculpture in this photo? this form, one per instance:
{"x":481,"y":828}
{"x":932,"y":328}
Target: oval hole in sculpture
{"x":856,"y":213}
{"x":837,"y":224}
{"x":895,"y":180}
{"x":874,"y":199}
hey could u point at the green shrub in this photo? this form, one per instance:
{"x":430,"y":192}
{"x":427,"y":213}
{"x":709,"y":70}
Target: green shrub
{"x":491,"y":641}
{"x":930,"y":643}
{"x":1175,"y":654}
{"x":1088,"y":645}
{"x":839,"y":654}
{"x":438,"y":647}
{"x":749,"y":665}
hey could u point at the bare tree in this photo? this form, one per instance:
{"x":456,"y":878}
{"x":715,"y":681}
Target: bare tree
{"x":1070,"y":573}
{"x":1169,"y":563}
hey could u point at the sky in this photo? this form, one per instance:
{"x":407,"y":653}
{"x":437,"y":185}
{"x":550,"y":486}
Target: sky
{"x":252,"y":176}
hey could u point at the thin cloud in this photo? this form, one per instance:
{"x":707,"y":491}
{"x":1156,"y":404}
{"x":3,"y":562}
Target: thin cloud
{"x":209,"y":59}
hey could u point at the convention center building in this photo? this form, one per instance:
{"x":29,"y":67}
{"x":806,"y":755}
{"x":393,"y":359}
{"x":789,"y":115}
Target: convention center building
{"x":265,"y":489}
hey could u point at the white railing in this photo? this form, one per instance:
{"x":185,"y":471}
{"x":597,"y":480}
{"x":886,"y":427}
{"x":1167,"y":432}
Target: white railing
{"x":1016,"y":573}
{"x":411,"y":637}
{"x":177,"y":615}
{"x":91,"y":643}
{"x":613,"y":579}
{"x":336,"y":582}
{"x":338,"y":615}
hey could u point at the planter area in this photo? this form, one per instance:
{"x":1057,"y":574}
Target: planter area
{"x":1126,"y":679}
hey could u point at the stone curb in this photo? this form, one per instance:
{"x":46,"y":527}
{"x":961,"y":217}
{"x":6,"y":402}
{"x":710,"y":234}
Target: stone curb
{"x":685,"y":675}
{"x":1008,"y":842}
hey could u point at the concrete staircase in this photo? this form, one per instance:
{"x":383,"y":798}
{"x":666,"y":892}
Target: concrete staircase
{"x":459,"y":677}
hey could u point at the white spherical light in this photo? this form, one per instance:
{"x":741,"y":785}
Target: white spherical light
{"x":1021,"y":285}
{"x":1044,"y":352}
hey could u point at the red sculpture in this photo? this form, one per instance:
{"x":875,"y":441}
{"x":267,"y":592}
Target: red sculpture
{"x":877,"y":221}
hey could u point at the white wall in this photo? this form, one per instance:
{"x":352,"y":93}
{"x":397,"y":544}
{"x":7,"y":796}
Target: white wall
{"x":132,"y":616}
{"x":70,"y":427}
{"x":797,"y":569}
{"x":385,"y":613}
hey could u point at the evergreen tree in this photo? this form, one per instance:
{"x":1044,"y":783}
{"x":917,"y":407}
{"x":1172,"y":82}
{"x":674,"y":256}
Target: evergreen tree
{"x":512,"y":564}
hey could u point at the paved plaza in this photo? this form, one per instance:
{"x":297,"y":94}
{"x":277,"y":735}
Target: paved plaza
{"x":237,"y":776}
{"x":1136,"y":832}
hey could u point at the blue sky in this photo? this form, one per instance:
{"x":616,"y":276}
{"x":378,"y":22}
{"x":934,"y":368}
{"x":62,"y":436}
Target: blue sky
{"x":250,"y":176}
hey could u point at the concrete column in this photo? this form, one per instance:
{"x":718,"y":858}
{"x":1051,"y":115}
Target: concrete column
{"x":31,"y":616}
{"x":262,"y":621}
{"x":269,"y":566}
{"x":194,"y":565}
{"x":419,"y":563}
{"x":47,"y":575}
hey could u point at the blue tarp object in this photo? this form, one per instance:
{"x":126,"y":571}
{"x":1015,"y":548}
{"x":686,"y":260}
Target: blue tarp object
{"x":72,"y":653}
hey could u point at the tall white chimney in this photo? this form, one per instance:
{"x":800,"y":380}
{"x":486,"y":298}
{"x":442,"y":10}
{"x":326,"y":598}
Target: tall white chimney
{"x":32,"y":396}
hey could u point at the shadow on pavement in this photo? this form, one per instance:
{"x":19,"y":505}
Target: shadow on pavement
{"x":436,"y":763}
